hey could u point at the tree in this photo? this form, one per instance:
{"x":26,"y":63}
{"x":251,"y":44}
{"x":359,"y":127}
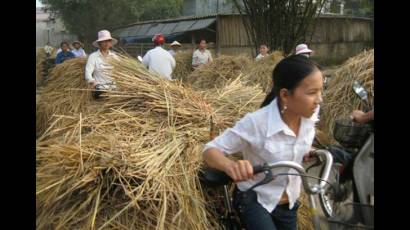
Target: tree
{"x":86,"y":17}
{"x":282,"y":24}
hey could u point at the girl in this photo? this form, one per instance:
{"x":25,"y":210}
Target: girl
{"x":282,"y":129}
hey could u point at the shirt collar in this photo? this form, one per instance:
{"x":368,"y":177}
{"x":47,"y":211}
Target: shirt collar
{"x":109,"y":53}
{"x":276,"y":124}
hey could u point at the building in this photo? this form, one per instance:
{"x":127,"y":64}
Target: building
{"x":202,"y":7}
{"x":50,"y":28}
{"x":336,"y":37}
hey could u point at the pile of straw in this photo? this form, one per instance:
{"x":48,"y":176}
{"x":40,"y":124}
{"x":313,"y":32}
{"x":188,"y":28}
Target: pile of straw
{"x":233,"y":100}
{"x":40,"y":59}
{"x":130,"y":161}
{"x":304,"y":213}
{"x":260,"y":72}
{"x":218,"y":72}
{"x":340,"y":100}
{"x":65,"y":93}
{"x":132,"y":165}
{"x":183,"y":65}
{"x":43,"y":65}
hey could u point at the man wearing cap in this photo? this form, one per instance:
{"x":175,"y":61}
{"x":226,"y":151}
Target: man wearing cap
{"x":78,"y":51}
{"x":97,"y":64}
{"x":302,"y":49}
{"x":174,"y":48}
{"x":158,"y":60}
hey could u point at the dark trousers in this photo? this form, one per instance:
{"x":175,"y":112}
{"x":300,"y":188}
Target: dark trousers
{"x":254,"y":216}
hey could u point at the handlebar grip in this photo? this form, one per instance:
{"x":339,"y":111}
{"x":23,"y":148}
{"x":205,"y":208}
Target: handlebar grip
{"x":258,"y":169}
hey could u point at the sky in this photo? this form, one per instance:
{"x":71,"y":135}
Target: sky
{"x":38,"y":4}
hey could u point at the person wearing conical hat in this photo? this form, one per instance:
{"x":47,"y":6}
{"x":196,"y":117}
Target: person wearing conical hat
{"x":174,"y":48}
{"x":78,"y":51}
{"x":97,"y":64}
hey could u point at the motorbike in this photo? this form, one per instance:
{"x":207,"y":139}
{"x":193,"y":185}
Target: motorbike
{"x":349,"y":200}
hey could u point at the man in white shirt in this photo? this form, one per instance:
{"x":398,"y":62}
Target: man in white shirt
{"x":263,"y":52}
{"x":78,"y":51}
{"x":201,"y":55}
{"x":97,"y":64}
{"x":158,"y":60}
{"x":174,"y":48}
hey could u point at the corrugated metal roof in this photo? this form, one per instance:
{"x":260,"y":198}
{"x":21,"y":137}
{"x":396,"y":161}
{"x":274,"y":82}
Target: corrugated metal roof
{"x":166,"y":28}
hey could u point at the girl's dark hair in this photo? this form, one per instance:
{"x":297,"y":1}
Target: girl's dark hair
{"x":288,"y":73}
{"x":62,"y":43}
{"x":200,"y":40}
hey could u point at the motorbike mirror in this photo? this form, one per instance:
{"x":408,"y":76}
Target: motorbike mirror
{"x":139,"y":58}
{"x":360,"y":90}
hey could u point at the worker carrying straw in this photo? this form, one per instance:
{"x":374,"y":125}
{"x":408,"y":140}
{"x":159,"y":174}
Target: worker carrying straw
{"x":282,"y":129}
{"x":97,"y":64}
{"x":158,"y":60}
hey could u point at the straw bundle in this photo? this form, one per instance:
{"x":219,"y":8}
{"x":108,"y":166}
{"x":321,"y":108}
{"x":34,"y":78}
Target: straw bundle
{"x":183,"y":65}
{"x":40,"y":59}
{"x":133,"y":165}
{"x":65,"y":93}
{"x":216,"y":73}
{"x":43,"y":64}
{"x":260,"y":72}
{"x":304,"y":213}
{"x":233,"y":100}
{"x":340,"y":100}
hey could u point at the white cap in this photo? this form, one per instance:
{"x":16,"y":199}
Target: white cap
{"x":303,"y":48}
{"x":175,"y":43}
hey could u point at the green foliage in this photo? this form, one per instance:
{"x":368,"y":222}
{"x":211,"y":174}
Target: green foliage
{"x":282,"y":24}
{"x":86,"y":17}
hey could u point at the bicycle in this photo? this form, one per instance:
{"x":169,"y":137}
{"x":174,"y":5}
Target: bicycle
{"x":212,"y":178}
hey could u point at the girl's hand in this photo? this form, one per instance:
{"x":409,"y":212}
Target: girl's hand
{"x":308,"y":156}
{"x":240,"y":170}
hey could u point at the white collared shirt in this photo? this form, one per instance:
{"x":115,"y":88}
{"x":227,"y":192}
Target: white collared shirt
{"x":79,"y":52}
{"x":263,"y":137}
{"x":97,"y":67}
{"x":260,"y":56}
{"x":159,"y":61}
{"x":200,"y":58}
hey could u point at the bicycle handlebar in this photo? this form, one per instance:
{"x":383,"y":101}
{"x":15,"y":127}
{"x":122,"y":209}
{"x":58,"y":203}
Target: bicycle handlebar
{"x":290,"y":164}
{"x":223,"y":178}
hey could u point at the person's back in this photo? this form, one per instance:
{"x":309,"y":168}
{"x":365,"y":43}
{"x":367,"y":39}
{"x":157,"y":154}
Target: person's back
{"x":160,"y":61}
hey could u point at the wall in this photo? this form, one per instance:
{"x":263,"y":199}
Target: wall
{"x":335,"y":38}
{"x":56,"y":33}
{"x":338,"y":38}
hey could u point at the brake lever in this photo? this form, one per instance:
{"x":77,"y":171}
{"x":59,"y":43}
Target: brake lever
{"x":268,"y":178}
